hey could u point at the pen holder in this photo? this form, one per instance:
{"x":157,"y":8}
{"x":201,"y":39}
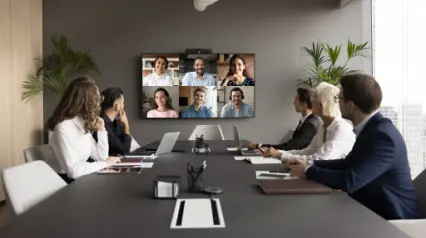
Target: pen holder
{"x":199,"y":142}
{"x":195,"y":181}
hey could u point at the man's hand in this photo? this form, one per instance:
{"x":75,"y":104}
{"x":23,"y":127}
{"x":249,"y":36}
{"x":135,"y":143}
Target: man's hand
{"x":123,"y":119}
{"x":297,"y":167}
{"x":112,"y":160}
{"x":252,"y":146}
{"x":271,"y":152}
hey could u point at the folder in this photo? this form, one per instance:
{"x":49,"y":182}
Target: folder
{"x":292,"y":186}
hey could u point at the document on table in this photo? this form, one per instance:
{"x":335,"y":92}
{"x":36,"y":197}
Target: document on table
{"x":258,"y":159}
{"x":273,"y":175}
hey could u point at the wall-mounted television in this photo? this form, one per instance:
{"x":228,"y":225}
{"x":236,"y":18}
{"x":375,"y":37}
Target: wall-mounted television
{"x":187,"y":86}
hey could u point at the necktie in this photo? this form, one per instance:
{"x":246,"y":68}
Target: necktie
{"x":300,"y":122}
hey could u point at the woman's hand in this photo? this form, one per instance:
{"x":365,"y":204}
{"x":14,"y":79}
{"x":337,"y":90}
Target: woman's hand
{"x":100,"y":124}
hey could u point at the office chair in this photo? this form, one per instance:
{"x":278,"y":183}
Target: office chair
{"x":416,"y":228}
{"x":42,"y":152}
{"x":210,"y":132}
{"x":28,"y":184}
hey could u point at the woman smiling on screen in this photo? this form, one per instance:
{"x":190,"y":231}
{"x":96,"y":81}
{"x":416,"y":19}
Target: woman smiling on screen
{"x":162,"y":107}
{"x":237,"y":75}
{"x":159,"y":77}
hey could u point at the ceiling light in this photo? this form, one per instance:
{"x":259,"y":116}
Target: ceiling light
{"x":201,"y":5}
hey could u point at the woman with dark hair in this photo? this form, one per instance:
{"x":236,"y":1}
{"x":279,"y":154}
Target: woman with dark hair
{"x":74,"y":120}
{"x":237,"y":75}
{"x":162,"y":105}
{"x":159,"y":77}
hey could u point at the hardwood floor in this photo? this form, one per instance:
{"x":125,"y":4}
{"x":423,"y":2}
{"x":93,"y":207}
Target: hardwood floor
{"x":4,"y":214}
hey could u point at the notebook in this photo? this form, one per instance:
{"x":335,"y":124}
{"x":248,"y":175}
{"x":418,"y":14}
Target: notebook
{"x":258,"y":160}
{"x":121,"y":170}
{"x":292,"y":186}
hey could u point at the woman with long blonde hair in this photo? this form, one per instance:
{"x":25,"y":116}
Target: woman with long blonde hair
{"x":74,"y":120}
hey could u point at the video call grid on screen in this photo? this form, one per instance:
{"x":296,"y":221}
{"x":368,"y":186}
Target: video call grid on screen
{"x":198,"y":86}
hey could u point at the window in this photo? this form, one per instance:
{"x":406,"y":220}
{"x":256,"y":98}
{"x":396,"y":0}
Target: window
{"x":399,"y":40}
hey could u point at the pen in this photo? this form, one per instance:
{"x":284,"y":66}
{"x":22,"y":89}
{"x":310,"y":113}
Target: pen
{"x":278,"y":171}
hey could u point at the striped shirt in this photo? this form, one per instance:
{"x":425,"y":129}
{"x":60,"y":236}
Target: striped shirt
{"x":190,"y":79}
{"x":190,"y":112}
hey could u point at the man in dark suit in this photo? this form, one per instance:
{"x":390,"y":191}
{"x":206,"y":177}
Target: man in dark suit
{"x":376,"y":172}
{"x":305,"y":130}
{"x":116,"y":123}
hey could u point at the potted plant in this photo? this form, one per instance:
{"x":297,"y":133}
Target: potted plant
{"x":324,"y":66}
{"x":58,"y":68}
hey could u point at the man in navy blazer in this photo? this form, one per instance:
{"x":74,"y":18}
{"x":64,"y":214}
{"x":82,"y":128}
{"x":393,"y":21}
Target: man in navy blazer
{"x":376,"y":172}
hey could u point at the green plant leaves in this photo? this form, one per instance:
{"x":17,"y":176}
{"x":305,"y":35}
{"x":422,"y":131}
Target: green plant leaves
{"x":62,"y":65}
{"x":323,"y":66}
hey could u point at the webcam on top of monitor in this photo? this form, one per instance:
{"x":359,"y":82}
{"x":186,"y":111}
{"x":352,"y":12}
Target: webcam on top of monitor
{"x":198,"y":51}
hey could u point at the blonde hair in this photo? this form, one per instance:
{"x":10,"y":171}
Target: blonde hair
{"x":326,"y":94}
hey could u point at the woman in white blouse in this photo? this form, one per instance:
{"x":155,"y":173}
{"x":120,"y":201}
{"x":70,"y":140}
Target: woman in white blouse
{"x":159,"y":77}
{"x":334,"y":139}
{"x":72,"y":124}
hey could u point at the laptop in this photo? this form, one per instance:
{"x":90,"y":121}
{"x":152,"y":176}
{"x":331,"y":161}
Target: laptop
{"x":240,"y":149}
{"x":166,"y":146}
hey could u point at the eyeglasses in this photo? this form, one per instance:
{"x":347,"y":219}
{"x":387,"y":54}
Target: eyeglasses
{"x":101,"y":99}
{"x":337,"y":99}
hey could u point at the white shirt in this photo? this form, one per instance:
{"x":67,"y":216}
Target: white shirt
{"x":72,"y":147}
{"x":358,"y":128}
{"x":339,"y":142}
{"x":303,"y":119}
{"x":190,"y":79}
{"x":157,"y":80}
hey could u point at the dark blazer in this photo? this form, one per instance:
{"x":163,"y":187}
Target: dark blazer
{"x":375,"y":173}
{"x":119,"y":142}
{"x":302,"y":136}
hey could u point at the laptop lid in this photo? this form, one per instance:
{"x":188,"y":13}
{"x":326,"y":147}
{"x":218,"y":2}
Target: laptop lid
{"x":237,"y":138}
{"x":167,"y":143}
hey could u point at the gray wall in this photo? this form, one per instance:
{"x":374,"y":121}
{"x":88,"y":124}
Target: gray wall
{"x":117,"y":32}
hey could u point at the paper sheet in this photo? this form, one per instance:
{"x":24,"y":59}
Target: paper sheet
{"x":197,"y":213}
{"x":258,"y":159}
{"x":232,"y":148}
{"x":147,"y":165}
{"x":264,"y":175}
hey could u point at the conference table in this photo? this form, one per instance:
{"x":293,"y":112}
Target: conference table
{"x":123,"y":205}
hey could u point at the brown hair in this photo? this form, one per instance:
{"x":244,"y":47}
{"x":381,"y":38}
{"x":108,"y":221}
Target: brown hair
{"x":199,"y":89}
{"x":82,"y":99}
{"x":233,"y":58}
{"x":304,"y":96}
{"x":168,"y":101}
{"x":363,"y":90}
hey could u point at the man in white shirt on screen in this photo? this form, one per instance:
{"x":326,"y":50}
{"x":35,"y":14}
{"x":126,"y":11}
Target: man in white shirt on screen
{"x":198,"y":77}
{"x":334,"y":139}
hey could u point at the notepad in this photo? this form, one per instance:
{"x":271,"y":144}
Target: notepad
{"x":232,"y":148}
{"x":273,"y":175}
{"x":258,"y":160}
{"x":165,"y":189}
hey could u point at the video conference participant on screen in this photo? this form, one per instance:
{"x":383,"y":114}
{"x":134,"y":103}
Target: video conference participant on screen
{"x":197,"y":109}
{"x":237,"y":75}
{"x":159,"y":77}
{"x":198,"y":77}
{"x":236,"y":108}
{"x":162,"y":107}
